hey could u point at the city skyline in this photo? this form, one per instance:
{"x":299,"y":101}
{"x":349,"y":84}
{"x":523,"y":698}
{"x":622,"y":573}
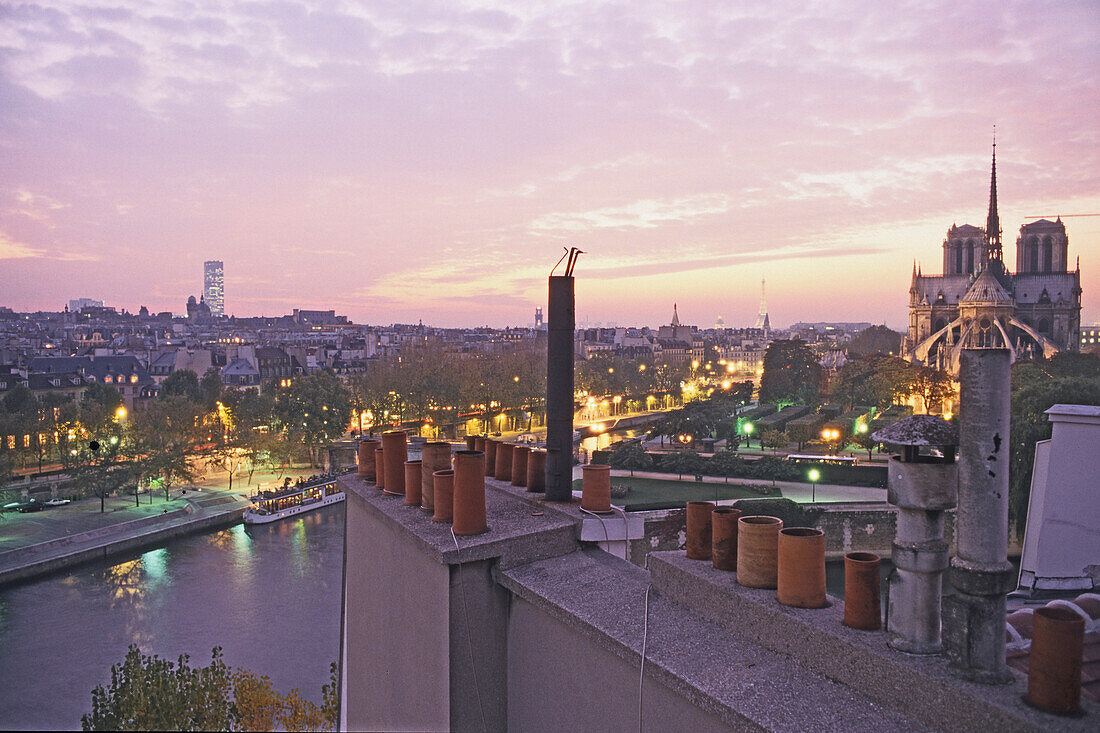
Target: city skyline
{"x":400,"y":163}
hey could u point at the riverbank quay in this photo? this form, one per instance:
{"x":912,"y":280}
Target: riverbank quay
{"x":39,"y":543}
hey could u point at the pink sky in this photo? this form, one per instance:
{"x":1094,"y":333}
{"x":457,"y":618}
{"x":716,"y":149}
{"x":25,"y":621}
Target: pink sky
{"x":414,"y":160}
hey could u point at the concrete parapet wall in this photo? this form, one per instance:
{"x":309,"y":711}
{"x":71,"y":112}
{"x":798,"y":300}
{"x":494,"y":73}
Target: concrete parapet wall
{"x":529,"y":628}
{"x":921,"y":686}
{"x":847,"y":527}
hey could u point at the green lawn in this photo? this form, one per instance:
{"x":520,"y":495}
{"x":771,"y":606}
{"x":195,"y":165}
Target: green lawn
{"x":647,"y":491}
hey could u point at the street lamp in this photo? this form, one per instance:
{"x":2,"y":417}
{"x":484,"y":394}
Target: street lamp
{"x":120,"y":413}
{"x":814,"y":475}
{"x":748,"y":428}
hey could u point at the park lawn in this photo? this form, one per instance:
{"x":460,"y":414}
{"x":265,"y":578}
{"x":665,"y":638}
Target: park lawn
{"x":659,"y":491}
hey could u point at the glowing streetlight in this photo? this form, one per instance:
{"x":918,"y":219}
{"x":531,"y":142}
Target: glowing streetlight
{"x":814,"y":475}
{"x":748,"y":428}
{"x":120,"y":413}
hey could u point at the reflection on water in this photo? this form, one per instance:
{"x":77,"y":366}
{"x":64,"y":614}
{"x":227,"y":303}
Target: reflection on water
{"x":269,"y":595}
{"x":602,"y":440}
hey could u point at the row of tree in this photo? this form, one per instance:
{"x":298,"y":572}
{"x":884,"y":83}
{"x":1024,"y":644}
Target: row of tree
{"x":792,"y":375}
{"x":429,"y":387}
{"x":194,"y":423}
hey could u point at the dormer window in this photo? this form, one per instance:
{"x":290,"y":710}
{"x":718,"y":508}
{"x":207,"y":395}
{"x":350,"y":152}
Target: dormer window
{"x":108,"y":379}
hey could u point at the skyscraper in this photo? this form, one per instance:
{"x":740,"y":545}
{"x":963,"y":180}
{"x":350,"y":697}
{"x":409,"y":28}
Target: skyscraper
{"x":212,"y":287}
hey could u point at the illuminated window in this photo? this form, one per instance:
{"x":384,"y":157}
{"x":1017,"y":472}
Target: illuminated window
{"x":133,"y":379}
{"x":11,"y":442}
{"x":26,"y":441}
{"x":108,"y":379}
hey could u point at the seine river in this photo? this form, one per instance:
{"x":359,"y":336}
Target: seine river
{"x":269,"y":596}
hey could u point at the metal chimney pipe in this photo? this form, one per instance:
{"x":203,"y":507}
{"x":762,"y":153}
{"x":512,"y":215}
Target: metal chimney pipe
{"x":974,"y":617}
{"x":922,"y":487}
{"x":560,"y":327}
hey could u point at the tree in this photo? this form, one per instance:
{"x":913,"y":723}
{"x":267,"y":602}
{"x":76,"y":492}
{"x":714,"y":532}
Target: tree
{"x":1066,"y":378}
{"x":773,"y":439}
{"x":791,"y":374}
{"x":773,"y":468}
{"x":182,"y":383}
{"x":23,"y":416}
{"x":101,"y":461}
{"x":681,"y":463}
{"x":211,"y":389}
{"x":933,"y":386}
{"x":865,"y":441}
{"x":167,"y":436}
{"x":629,"y":456}
{"x":873,"y":380}
{"x":249,"y":415}
{"x":727,"y":463}
{"x":875,"y":340}
{"x":150,"y":693}
{"x":313,"y":409}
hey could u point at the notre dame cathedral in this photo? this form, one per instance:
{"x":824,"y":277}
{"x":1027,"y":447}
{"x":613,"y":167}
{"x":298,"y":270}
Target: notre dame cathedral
{"x":977,"y":302}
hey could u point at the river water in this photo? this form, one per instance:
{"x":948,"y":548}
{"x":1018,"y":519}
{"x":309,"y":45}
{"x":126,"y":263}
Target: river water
{"x":269,"y":595}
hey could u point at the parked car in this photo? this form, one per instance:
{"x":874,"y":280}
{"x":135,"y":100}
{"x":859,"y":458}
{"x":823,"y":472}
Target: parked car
{"x":29,"y":506}
{"x":58,"y":502}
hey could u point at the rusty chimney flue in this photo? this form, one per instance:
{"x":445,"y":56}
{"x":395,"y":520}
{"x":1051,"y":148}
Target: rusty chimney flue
{"x":560,"y":327}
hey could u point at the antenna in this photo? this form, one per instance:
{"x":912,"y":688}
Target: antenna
{"x":572,"y":253}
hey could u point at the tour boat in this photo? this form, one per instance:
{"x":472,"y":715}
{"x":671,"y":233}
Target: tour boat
{"x":269,"y":506}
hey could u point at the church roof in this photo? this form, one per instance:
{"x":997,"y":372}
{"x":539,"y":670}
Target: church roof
{"x":1043,"y":224}
{"x":986,"y":289}
{"x":968,"y":229}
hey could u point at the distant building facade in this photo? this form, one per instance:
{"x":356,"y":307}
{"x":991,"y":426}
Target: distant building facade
{"x":978,"y":302}
{"x":1090,"y":339}
{"x":78,"y":304}
{"x":213,"y":286}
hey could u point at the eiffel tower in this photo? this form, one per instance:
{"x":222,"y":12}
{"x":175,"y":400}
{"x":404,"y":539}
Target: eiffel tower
{"x":762,"y":321}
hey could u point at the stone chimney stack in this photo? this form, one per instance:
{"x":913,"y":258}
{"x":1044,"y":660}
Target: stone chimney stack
{"x":974,"y":617}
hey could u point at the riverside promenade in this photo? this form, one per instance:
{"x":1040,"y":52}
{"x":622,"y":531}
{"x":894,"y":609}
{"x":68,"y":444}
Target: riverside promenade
{"x":43,"y":542}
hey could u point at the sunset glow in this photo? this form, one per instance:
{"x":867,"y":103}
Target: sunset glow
{"x":405,"y":160}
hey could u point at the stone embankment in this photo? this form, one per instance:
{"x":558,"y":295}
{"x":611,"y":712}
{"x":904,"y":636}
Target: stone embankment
{"x":33,"y":560}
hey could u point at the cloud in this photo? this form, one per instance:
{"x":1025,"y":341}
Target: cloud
{"x":424,"y":154}
{"x":13,"y":250}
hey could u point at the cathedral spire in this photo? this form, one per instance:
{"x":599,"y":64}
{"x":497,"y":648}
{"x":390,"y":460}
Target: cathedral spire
{"x":675,"y":316}
{"x":993,"y":220}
